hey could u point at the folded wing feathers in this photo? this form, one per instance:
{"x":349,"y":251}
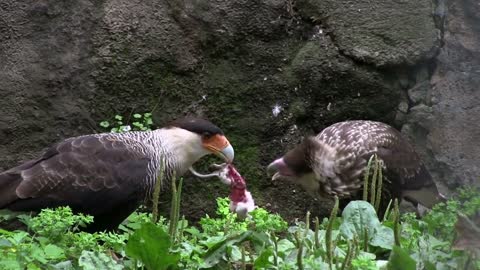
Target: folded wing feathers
{"x":83,"y":162}
{"x":356,"y":141}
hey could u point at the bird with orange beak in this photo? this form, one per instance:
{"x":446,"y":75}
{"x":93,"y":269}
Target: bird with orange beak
{"x":109,"y":175}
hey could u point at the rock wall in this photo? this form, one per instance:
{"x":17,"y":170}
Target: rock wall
{"x":444,"y":108}
{"x":67,"y":65}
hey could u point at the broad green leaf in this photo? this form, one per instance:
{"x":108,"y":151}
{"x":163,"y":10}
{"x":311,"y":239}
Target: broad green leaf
{"x":383,"y":237}
{"x":5,"y":232}
{"x":150,"y":244}
{"x":6,"y":214}
{"x":216,"y":252}
{"x":90,"y":260}
{"x":382,"y":264}
{"x":285,"y":245}
{"x":33,"y":266}
{"x":359,"y":216}
{"x":193,"y":231}
{"x":187,"y":249}
{"x":263,"y":260}
{"x":37,"y":254}
{"x":4,"y":243}
{"x":400,"y":260}
{"x":429,"y":266}
{"x":137,"y":115}
{"x":18,"y":237}
{"x":234,"y":253}
{"x":213,"y":240}
{"x":66,"y":265}
{"x":9,"y":261}
{"x":53,"y":252}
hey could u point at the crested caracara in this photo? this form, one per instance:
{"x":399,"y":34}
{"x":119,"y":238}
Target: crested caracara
{"x":333,"y":162}
{"x":109,"y":175}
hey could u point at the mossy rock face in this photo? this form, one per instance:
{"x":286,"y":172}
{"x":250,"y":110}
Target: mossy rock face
{"x":232,"y":62}
{"x":381,"y":33}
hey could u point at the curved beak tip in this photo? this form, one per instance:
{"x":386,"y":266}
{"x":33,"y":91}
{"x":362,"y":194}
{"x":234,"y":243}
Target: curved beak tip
{"x":272,"y":169}
{"x":228,"y":153}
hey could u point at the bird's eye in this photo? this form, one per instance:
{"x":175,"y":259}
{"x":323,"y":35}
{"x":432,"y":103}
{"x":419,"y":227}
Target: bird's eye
{"x":207,"y":134}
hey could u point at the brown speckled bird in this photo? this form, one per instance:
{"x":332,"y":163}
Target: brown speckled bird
{"x":333,"y":163}
{"x":109,"y":175}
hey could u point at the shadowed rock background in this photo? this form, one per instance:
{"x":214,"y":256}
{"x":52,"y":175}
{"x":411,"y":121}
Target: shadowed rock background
{"x":67,"y":65}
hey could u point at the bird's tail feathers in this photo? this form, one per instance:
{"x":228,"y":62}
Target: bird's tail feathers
{"x":8,"y":186}
{"x":420,"y":188}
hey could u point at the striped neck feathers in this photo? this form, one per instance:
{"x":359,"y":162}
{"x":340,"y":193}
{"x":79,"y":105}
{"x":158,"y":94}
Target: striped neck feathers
{"x":181,"y":146}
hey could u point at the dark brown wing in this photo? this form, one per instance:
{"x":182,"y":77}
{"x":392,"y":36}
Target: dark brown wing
{"x":91,"y":174}
{"x":409,"y":176}
{"x":400,"y":157}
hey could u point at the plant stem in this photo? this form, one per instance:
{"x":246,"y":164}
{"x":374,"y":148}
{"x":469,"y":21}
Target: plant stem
{"x":365,"y":179}
{"x":374,"y":181}
{"x":356,"y":247}
{"x":307,"y":223}
{"x":348,"y":257}
{"x":387,"y":211}
{"x":317,"y":240}
{"x":177,"y":204}
{"x":244,"y":263}
{"x":379,"y":187}
{"x":396,"y":223}
{"x":181,"y":229}
{"x":328,"y":234}
{"x":275,"y":246}
{"x":173,"y":210}
{"x":300,"y":250}
{"x":156,"y":193}
{"x":365,"y":240}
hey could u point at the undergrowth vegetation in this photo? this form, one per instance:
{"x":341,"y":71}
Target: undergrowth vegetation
{"x":448,"y":237}
{"x":356,"y":240}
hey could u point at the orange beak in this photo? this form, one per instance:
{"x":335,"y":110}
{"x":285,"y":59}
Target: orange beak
{"x":220,"y":146}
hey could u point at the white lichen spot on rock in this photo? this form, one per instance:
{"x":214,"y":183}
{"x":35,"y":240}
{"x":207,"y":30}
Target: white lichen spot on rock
{"x":318,"y":32}
{"x":276,"y":110}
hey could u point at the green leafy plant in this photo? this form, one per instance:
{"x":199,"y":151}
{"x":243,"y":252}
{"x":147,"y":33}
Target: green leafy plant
{"x":151,"y":245}
{"x":357,"y":239}
{"x":140,"y":122}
